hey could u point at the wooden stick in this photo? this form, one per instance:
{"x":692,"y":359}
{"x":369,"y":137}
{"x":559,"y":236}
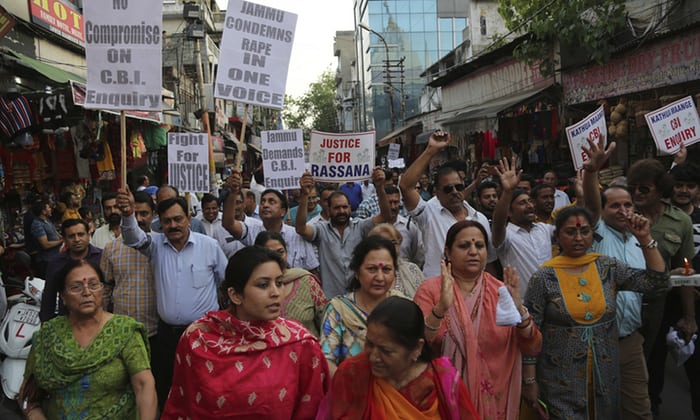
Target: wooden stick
{"x":122,"y":126}
{"x":241,"y":141}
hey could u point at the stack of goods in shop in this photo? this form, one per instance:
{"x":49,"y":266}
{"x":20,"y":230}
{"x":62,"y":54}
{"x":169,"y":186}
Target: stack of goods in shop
{"x":609,"y":174}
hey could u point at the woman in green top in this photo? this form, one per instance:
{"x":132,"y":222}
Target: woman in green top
{"x":304,"y":299}
{"x":90,"y":363}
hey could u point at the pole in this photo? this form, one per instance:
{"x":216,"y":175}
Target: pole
{"x":241,"y":141}
{"x":205,"y":116}
{"x":122,"y":129}
{"x":388,"y":82}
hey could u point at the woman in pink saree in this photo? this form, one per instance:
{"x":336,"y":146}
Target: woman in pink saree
{"x":460,"y":320}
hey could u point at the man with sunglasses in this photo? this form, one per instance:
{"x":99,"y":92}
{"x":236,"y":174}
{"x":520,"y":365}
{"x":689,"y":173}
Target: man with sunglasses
{"x":650,"y":185}
{"x":447,"y":207}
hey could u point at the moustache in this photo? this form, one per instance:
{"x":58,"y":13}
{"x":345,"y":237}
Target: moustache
{"x":173,"y":230}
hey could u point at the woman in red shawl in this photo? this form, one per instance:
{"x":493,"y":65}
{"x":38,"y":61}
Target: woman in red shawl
{"x":246,"y":362}
{"x":460,"y":319}
{"x":396,"y":376}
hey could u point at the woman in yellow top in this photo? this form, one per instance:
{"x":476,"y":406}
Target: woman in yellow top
{"x":572,"y":301}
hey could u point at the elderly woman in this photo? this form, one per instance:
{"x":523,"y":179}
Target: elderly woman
{"x":408,"y":276}
{"x":397,"y":376}
{"x":572,"y":300}
{"x":303,"y":297}
{"x":89,"y":363}
{"x":246,"y":361}
{"x":344,"y":325}
{"x":460,"y":319}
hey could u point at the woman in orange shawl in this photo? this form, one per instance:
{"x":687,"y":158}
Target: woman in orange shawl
{"x":396,"y":376}
{"x":460,"y":318}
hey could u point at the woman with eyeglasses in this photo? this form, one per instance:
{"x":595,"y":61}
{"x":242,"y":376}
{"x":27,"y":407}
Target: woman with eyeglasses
{"x":89,"y":363}
{"x":303,"y":297}
{"x":572,"y":300}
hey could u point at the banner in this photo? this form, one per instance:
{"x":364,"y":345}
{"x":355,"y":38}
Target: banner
{"x":674,"y":124}
{"x":341,"y":157}
{"x":283,"y":158}
{"x":590,"y":128}
{"x":188,"y":162}
{"x":255,"y":50}
{"x":123,"y":53}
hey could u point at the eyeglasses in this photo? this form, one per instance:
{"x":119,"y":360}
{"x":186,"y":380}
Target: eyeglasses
{"x":644,"y":189}
{"x":448,"y":188}
{"x":77,"y":288}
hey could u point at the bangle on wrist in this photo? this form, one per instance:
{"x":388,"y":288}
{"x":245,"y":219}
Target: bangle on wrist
{"x":652,"y":244}
{"x":528,"y":322}
{"x":432,"y":311}
{"x":529,"y":380}
{"x":430,"y":327}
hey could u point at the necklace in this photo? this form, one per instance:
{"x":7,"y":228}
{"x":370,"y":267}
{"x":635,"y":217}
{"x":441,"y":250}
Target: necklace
{"x":412,"y":373}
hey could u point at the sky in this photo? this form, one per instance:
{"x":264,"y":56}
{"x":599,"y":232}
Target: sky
{"x":312,"y":52}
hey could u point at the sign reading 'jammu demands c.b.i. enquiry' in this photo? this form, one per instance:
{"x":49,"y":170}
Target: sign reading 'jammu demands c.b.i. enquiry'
{"x":674,"y":124}
{"x":341,"y":157}
{"x":255,"y":50}
{"x":123,"y":41}
{"x":283,"y":158}
{"x":188,"y":162}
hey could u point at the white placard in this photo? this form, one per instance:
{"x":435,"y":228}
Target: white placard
{"x":341,"y":157}
{"x":283,"y":158}
{"x":589,"y":128}
{"x":394,"y":149}
{"x":255,"y":50}
{"x":188,"y":162}
{"x":123,"y":41}
{"x":677,"y":281}
{"x":397,"y":163}
{"x":674,"y":124}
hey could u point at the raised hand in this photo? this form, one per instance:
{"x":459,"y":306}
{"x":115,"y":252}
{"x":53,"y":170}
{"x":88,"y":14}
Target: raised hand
{"x":447,"y":293}
{"x":439,"y":139}
{"x":378,"y":177}
{"x":512,"y":282}
{"x":306,"y":183}
{"x":234,"y":181}
{"x":125,"y":201}
{"x":681,"y":155}
{"x":597,"y":154}
{"x":639,"y":226}
{"x":510,"y":177}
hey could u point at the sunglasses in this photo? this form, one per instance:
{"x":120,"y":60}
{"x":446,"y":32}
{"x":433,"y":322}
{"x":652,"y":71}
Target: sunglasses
{"x":448,"y":188}
{"x":644,"y":189}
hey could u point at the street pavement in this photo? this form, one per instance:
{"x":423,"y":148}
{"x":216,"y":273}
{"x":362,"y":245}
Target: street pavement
{"x":676,"y":394}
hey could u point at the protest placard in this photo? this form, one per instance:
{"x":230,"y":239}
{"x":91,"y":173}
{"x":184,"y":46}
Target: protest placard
{"x":394,"y":149}
{"x":255,"y":50}
{"x":283,"y":158}
{"x":188,"y":162}
{"x":589,"y":128}
{"x":674,"y":124}
{"x":122,"y":47}
{"x":341,"y":157}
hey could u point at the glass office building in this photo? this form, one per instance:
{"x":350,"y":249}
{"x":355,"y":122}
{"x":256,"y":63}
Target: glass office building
{"x":416,"y":35}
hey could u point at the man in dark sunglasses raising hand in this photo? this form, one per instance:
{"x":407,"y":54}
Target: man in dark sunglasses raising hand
{"x":435,"y":216}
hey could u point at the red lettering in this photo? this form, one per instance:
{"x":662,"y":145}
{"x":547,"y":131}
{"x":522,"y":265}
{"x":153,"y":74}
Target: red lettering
{"x":584,"y":156}
{"x":19,"y":331}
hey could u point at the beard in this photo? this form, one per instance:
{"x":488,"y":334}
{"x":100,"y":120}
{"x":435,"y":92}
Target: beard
{"x":114,"y":220}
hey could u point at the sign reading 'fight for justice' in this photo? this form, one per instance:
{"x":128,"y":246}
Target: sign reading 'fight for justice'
{"x":188,"y":162}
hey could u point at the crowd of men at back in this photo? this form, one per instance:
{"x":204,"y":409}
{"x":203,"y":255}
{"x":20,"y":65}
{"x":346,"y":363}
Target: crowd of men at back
{"x":387,"y":299}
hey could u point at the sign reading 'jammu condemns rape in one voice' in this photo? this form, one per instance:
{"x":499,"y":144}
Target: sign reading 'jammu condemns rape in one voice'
{"x":341,"y":157}
{"x":589,"y":128}
{"x":122,"y":47}
{"x":255,"y":51}
{"x":283,"y":158}
{"x":188,"y":162}
{"x":674,"y":124}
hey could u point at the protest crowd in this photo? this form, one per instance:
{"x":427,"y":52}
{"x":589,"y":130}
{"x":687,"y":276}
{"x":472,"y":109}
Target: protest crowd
{"x":424,"y":293}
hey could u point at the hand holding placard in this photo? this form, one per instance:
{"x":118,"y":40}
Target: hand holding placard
{"x":590,"y":128}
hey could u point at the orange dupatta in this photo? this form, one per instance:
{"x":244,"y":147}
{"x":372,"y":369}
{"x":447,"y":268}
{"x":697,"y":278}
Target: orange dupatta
{"x":386,"y":402}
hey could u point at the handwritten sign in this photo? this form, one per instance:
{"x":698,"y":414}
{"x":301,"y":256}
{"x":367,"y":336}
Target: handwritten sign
{"x":122,"y":48}
{"x":283,"y":158}
{"x":341,"y":157}
{"x":188,"y":162}
{"x":674,"y":124}
{"x":590,"y":128}
{"x":394,"y":150}
{"x":255,"y":50}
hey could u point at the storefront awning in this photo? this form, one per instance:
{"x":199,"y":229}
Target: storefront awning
{"x":47,"y":70}
{"x":486,"y":110}
{"x":391,"y":136}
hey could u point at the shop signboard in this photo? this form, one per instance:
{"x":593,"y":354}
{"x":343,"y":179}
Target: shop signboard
{"x":255,"y":50}
{"x":188,"y":162}
{"x":589,"y":128}
{"x":341,"y":157}
{"x":283,"y":158}
{"x":6,"y":22}
{"x":123,"y":40}
{"x":674,"y":124}
{"x":59,"y":17}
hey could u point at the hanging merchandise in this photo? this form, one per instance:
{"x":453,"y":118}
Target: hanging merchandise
{"x":16,"y":120}
{"x":138,"y":147}
{"x":105,"y":166}
{"x":53,"y":113}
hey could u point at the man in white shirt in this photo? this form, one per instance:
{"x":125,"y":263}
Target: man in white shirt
{"x":113,"y":217}
{"x":560,"y":197}
{"x":210,"y":217}
{"x":435,"y":216}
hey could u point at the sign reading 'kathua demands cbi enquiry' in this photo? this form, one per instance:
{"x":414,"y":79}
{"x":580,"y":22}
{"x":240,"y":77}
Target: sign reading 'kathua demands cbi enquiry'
{"x":188,"y":162}
{"x":283,"y":158}
{"x":255,"y":51}
{"x":122,"y":48}
{"x":674,"y":124}
{"x":341,"y":157}
{"x":590,"y":128}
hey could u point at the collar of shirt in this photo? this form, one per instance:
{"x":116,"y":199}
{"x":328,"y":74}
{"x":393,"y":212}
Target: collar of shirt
{"x":471,"y":212}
